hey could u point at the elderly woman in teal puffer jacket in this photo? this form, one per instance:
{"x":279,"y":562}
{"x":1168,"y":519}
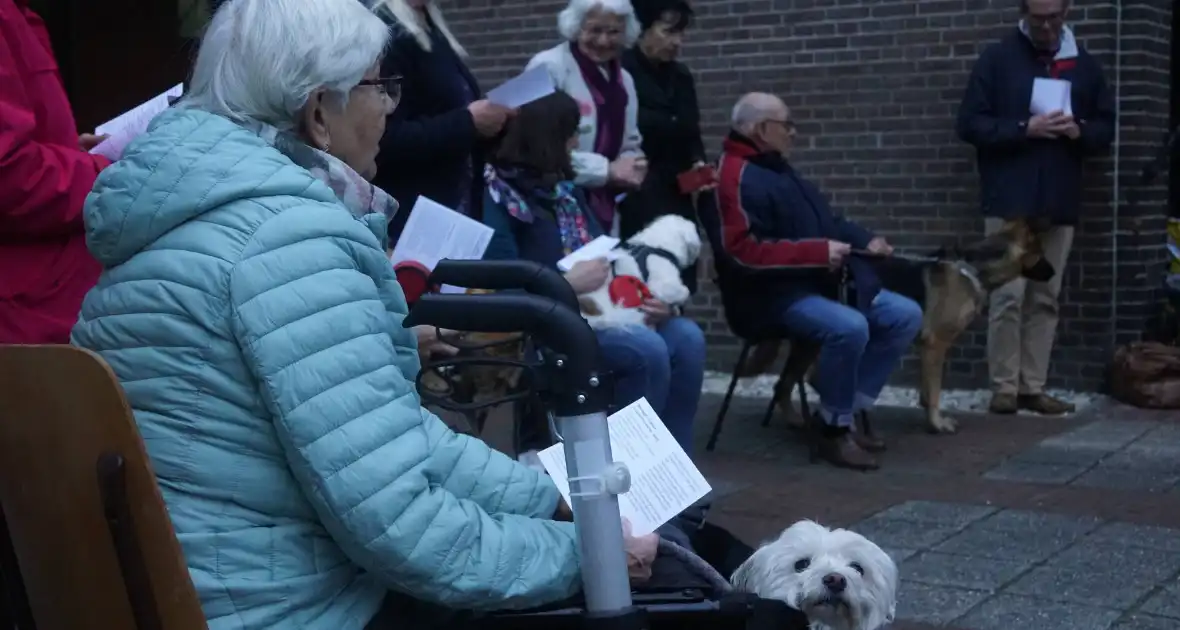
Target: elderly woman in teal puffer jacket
{"x":252,"y":316}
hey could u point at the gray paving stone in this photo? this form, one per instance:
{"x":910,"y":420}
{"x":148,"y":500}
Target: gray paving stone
{"x":954,"y":514}
{"x":898,"y":534}
{"x":935,"y":605}
{"x":1007,"y":612}
{"x":1145,"y":458}
{"x":1097,"y":573}
{"x":1031,"y":523}
{"x":1166,"y":436}
{"x":1131,"y":535}
{"x":1056,"y":455}
{"x":943,"y":569}
{"x":899,"y":555}
{"x":981,"y":542}
{"x":1111,"y":478}
{"x":1165,"y":603}
{"x":1110,"y":435}
{"x":1145,"y":622}
{"x":1030,"y":472}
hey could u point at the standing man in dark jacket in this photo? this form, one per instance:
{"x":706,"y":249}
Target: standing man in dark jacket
{"x":669,"y":118}
{"x":1030,"y":166}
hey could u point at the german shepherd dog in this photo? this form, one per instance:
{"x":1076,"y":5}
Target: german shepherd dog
{"x":952,"y":289}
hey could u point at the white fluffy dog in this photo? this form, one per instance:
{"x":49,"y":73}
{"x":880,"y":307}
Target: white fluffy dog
{"x":838,"y":578}
{"x":669,"y":238}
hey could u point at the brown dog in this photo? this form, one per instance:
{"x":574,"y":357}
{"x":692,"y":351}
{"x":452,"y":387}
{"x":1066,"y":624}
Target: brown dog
{"x":952,"y":292}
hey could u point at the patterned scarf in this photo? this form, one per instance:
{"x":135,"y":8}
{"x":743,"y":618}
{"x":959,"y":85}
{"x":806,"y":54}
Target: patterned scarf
{"x":354,"y":191}
{"x":610,"y":106}
{"x":504,"y":184}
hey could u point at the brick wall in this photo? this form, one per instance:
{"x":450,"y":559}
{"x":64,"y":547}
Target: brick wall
{"x":875,"y":85}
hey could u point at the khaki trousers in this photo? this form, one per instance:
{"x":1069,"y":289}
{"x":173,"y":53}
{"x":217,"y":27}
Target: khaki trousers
{"x":1022,"y":320}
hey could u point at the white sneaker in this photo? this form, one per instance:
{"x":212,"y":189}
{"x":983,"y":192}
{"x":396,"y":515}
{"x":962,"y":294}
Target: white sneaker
{"x":532,"y":460}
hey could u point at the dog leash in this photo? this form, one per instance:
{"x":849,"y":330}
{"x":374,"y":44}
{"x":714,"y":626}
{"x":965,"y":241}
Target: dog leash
{"x":913,"y":258}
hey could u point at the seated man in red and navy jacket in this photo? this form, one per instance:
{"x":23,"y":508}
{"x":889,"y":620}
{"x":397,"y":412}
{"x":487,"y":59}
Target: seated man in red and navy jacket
{"x":778,"y":230}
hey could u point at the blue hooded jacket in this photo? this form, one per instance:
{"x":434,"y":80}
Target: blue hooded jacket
{"x":256,"y":327}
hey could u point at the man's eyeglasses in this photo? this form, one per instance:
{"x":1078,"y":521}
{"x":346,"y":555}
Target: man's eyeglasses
{"x":788,"y":124}
{"x":1045,"y":19}
{"x":391,"y":86}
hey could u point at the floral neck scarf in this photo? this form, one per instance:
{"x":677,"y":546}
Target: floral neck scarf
{"x":505,"y":186}
{"x":356,"y":193}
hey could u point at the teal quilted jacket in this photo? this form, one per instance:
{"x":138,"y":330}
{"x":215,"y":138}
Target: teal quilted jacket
{"x":256,"y":327}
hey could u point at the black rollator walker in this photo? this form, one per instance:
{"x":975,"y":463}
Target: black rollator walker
{"x":564,"y":376}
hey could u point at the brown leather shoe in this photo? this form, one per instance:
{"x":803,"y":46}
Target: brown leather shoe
{"x":844,"y":452}
{"x":869,"y":442}
{"x":1003,"y":404}
{"x":1045,"y":404}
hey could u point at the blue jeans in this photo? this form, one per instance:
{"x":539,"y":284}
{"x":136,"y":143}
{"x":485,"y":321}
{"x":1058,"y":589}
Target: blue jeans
{"x":858,"y":350}
{"x":665,"y":365}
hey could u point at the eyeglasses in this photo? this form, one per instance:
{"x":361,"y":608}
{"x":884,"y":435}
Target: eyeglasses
{"x":788,"y":124}
{"x":390,"y":86}
{"x":1045,"y":19}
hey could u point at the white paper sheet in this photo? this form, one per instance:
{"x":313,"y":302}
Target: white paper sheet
{"x":434,"y":232}
{"x":664,"y":481}
{"x":129,"y":125}
{"x":601,"y":247}
{"x":524,"y":88}
{"x":1050,"y":95}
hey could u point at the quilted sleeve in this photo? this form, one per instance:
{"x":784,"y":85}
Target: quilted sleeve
{"x":397,"y":493}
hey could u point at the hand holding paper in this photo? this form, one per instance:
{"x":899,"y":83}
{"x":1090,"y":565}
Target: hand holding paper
{"x":129,"y":125}
{"x":664,"y":481}
{"x":1050,"y":95}
{"x":523,"y":89}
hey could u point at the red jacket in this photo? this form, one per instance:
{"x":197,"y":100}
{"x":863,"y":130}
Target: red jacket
{"x":45,"y":269}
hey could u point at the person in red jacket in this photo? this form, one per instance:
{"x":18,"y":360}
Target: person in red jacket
{"x":45,"y":175}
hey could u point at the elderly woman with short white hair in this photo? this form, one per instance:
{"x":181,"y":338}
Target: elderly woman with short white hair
{"x":249,"y":310}
{"x":608,"y":160}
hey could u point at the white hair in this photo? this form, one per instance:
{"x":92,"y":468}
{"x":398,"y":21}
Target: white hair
{"x":407,"y":17}
{"x":752,"y":109}
{"x":262,"y":59}
{"x":569,"y":21}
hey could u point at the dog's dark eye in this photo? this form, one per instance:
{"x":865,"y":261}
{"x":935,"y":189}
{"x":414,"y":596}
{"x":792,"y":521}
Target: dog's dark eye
{"x":856,"y":567}
{"x":802,"y":564}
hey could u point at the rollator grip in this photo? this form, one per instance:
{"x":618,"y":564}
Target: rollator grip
{"x":500,"y":275}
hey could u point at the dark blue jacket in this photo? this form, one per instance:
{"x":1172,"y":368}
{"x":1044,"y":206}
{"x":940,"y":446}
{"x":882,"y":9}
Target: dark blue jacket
{"x":775,"y":227}
{"x":430,"y":146}
{"x":1019,"y":176}
{"x":538,"y":241}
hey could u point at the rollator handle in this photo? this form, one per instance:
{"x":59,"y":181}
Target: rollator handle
{"x":502,"y":275}
{"x":577,"y":387}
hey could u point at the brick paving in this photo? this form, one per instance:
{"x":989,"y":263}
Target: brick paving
{"x":1016,"y":522}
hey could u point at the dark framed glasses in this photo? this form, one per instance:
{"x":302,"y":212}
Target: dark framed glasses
{"x":390,"y":86}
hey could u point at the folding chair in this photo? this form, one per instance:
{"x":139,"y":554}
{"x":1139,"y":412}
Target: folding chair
{"x":90,"y":544}
{"x":748,"y":327}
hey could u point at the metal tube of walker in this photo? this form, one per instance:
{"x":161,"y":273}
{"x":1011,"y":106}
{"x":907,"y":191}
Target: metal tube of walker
{"x":596,"y":512}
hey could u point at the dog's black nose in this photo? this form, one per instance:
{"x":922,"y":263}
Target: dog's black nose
{"x":835,"y":582}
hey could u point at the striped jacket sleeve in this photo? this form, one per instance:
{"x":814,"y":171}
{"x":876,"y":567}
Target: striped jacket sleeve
{"x":740,"y":206}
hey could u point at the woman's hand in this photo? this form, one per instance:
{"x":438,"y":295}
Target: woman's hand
{"x":431,"y":344}
{"x":588,"y":276}
{"x":489,"y":117}
{"x":657,"y":312}
{"x":88,"y":141}
{"x":641,"y":553}
{"x":563,"y":512}
{"x":628,"y":171}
